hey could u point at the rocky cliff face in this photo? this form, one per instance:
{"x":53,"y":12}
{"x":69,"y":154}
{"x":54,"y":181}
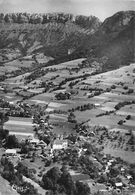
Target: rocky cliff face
{"x":21,"y":18}
{"x":54,"y":34}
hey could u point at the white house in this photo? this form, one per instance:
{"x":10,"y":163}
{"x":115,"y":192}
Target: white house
{"x":119,"y":184}
{"x":10,"y":152}
{"x":97,"y":105}
{"x":129,"y":177}
{"x":34,"y":141}
{"x":60,"y":144}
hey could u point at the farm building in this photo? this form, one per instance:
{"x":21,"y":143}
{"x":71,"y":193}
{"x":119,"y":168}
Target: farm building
{"x":42,"y":143}
{"x":119,"y":184}
{"x":34,"y":141}
{"x":60,"y":144}
{"x":10,"y":152}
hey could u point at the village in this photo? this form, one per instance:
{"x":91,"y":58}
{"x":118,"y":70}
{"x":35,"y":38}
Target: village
{"x":39,"y":150}
{"x":67,"y":103}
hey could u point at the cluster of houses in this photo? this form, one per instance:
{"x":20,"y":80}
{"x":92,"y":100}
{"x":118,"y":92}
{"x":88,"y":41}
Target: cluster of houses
{"x":57,"y":144}
{"x":60,"y":143}
{"x":124,"y":177}
{"x":108,"y":162}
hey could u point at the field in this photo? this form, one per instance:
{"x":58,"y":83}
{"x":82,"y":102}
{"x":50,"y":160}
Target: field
{"x":10,"y":96}
{"x":5,"y":188}
{"x":21,"y":127}
{"x":70,"y":64}
{"x":87,"y":115}
{"x":125,"y":155}
{"x":112,"y":88}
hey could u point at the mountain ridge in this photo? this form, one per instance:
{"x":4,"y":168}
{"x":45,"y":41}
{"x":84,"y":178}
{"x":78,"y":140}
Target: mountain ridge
{"x":114,"y":39}
{"x":65,"y":37}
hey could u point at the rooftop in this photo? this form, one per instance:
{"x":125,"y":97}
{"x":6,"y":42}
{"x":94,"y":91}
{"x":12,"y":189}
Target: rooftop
{"x":10,"y":151}
{"x":119,"y":184}
{"x":58,"y":142}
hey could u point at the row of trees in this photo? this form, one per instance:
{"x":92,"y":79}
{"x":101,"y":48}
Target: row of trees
{"x":48,"y":17}
{"x":122,"y":104}
{"x":82,"y":107}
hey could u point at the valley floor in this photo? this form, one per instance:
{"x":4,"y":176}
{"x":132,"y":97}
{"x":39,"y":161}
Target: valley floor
{"x":66,"y":102}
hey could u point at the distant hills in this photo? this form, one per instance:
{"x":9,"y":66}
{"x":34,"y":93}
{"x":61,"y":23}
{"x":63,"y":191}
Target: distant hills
{"x":65,"y":37}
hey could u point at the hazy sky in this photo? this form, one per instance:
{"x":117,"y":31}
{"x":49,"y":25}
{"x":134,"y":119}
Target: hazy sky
{"x":99,"y":8}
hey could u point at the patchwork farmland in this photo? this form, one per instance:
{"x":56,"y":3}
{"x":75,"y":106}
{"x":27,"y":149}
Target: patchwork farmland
{"x":67,"y":104}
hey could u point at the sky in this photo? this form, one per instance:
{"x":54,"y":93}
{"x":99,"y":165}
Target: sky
{"x":100,"y":8}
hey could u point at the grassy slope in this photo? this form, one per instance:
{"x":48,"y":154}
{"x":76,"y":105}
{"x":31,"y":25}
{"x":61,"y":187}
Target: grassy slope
{"x":5,"y":188}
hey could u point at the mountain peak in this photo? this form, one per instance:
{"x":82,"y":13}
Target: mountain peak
{"x":117,"y":22}
{"x":121,"y":18}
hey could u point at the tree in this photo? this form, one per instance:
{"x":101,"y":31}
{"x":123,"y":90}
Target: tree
{"x":113,"y":87}
{"x":39,"y":20}
{"x":130,"y":91}
{"x":22,"y":19}
{"x":128,"y":117}
{"x":82,"y":188}
{"x":132,"y":171}
{"x":58,"y":181}
{"x":131,"y":140}
{"x":36,"y":19}
{"x":62,"y":96}
{"x":12,"y":142}
{"x":71,"y":118}
{"x":25,"y":148}
{"x":15,"y":18}
{"x":1,"y":18}
{"x":73,"y":137}
{"x":50,"y":179}
{"x":4,"y":134}
{"x":67,"y":183}
{"x":47,"y":183}
{"x":8,"y":18}
{"x":114,"y":172}
{"x":120,"y":122}
{"x":3,"y":117}
{"x":64,"y":169}
{"x":89,"y":148}
{"x":102,"y":179}
{"x":8,"y":171}
{"x":22,"y":169}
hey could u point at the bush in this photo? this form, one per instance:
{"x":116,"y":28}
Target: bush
{"x":108,"y":89}
{"x":130,"y":91}
{"x":71,"y":118}
{"x":128,"y":117}
{"x":113,"y":87}
{"x":120,"y":122}
{"x":82,"y":188}
{"x":12,"y":142}
{"x":125,"y":87}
